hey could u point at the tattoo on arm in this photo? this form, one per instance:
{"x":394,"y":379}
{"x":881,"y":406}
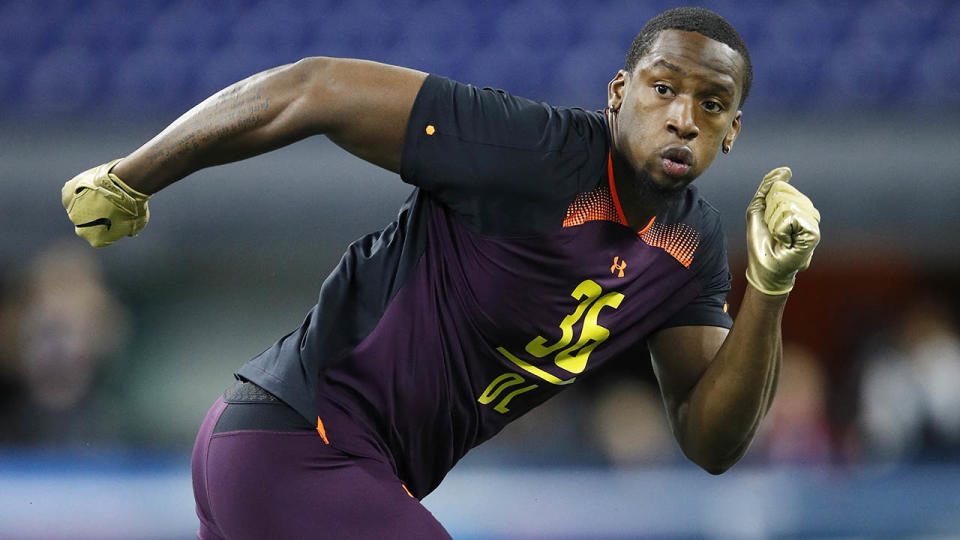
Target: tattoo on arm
{"x":229,"y":112}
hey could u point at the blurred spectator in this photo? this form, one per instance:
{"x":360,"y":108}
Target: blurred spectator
{"x":62,"y":327}
{"x":796,"y":430}
{"x":550,"y":435}
{"x":910,"y":406}
{"x":10,"y":385}
{"x":629,"y":424}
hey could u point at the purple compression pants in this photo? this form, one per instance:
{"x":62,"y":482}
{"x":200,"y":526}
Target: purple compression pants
{"x":261,"y":483}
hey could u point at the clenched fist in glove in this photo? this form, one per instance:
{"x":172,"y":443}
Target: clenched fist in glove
{"x":102,"y":207}
{"x":783,"y":228}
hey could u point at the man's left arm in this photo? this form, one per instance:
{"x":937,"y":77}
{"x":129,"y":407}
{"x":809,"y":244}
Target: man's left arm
{"x":717,"y":385}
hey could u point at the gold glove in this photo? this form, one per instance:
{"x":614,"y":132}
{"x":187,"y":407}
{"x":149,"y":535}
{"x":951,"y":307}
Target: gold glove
{"x":783,"y":228}
{"x":102,"y":207}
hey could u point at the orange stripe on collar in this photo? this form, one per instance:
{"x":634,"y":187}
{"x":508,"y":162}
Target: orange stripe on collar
{"x":616,"y":198}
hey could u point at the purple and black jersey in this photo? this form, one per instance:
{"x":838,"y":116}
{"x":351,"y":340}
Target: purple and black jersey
{"x":508,"y":274}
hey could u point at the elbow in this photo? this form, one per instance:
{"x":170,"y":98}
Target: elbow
{"x":310,"y":73}
{"x":324,"y":89}
{"x":714,"y":454}
{"x":712,"y":451}
{"x":314,"y":84}
{"x":716,"y":469}
{"x":713,"y":463}
{"x":713,"y":466}
{"x":310,"y":64}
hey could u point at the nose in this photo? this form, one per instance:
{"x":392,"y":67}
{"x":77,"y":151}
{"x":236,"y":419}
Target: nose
{"x":680,"y":120}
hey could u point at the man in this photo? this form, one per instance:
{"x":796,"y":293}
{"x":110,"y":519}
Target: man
{"x":540,"y":243}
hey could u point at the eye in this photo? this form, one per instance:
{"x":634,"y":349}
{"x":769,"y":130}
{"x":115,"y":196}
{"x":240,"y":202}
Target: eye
{"x":662,"y":89}
{"x":712,"y":106}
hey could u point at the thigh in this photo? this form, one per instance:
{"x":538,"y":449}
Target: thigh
{"x":284,"y":484}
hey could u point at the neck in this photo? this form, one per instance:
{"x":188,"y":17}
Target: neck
{"x":640,"y":197}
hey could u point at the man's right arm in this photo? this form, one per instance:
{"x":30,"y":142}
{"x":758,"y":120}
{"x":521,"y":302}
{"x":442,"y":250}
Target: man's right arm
{"x":362,"y":106}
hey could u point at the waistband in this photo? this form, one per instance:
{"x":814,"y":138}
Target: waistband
{"x":343,"y":428}
{"x":250,"y":407}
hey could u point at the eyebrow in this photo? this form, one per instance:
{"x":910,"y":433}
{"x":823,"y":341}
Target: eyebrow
{"x":720,"y":88}
{"x":669,"y":66}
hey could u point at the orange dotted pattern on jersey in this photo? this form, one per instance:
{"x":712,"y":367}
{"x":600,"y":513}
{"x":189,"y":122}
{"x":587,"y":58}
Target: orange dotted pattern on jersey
{"x":596,"y":205}
{"x":678,"y":239}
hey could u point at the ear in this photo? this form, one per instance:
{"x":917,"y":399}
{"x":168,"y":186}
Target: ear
{"x":615,"y":90}
{"x":732,"y":133}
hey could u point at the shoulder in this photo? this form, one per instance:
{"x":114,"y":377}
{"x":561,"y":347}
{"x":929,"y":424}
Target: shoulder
{"x":488,"y":154}
{"x":494,"y":116}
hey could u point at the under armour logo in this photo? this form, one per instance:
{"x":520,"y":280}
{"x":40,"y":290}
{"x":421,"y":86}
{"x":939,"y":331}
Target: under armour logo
{"x":618,"y":265}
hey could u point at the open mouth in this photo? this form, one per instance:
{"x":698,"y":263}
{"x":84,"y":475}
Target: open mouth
{"x":677,"y":160}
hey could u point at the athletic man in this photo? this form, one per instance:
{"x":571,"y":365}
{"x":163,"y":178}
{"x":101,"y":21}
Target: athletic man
{"x":540,"y":243}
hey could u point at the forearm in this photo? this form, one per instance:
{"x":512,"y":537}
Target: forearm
{"x":724,"y":409}
{"x":253,"y":116}
{"x":360,"y":105}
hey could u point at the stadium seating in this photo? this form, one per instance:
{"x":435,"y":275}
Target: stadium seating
{"x":62,"y":56}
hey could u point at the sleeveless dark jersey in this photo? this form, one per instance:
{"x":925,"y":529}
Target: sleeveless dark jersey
{"x":508,"y":274}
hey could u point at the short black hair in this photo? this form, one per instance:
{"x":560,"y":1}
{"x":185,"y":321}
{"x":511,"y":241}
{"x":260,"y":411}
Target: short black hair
{"x":691,"y":19}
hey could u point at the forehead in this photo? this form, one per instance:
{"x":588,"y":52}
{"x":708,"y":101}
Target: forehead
{"x":695,"y":54}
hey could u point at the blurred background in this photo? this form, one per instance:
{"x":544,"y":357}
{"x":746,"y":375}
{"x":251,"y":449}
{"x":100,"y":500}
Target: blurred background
{"x":110,"y":358}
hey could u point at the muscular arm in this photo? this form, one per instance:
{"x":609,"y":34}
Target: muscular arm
{"x":717,"y":386}
{"x":362,"y":106}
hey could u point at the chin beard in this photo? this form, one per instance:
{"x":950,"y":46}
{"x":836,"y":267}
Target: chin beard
{"x":652,"y":195}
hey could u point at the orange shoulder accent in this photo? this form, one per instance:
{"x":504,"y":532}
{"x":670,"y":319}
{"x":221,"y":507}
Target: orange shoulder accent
{"x":678,"y":239}
{"x":322,"y":431}
{"x":593,"y":205}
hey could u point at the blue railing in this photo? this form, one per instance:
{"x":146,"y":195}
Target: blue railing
{"x":121,"y":495}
